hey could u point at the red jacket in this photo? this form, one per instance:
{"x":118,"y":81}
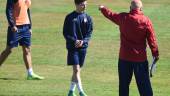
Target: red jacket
{"x":136,"y":31}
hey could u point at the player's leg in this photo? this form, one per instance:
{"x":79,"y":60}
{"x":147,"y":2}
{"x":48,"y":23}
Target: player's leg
{"x":11,"y":37}
{"x":27,"y":57}
{"x":4,"y":55}
{"x":72,"y":59}
{"x":82,"y":55}
{"x":125,"y":69}
{"x":75,"y":79}
{"x":28,"y":63}
{"x":142,"y":79}
{"x":25,"y":42}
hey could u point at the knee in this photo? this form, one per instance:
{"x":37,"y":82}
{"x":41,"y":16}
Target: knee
{"x":26,"y":51}
{"x":76,"y":70}
{"x":7,"y":50}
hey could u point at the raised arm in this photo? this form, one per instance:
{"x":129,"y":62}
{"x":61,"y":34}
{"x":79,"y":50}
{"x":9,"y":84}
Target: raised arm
{"x":115,"y":17}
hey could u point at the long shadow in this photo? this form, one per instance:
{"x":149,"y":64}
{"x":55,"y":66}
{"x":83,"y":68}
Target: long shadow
{"x":8,"y":79}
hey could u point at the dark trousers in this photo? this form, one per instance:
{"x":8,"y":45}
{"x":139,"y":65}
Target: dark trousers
{"x":141,"y":72}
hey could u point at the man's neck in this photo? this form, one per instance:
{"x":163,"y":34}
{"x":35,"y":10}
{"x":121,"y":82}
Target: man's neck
{"x":79,"y":11}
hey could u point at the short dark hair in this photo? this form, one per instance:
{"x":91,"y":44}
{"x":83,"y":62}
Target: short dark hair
{"x":79,"y":1}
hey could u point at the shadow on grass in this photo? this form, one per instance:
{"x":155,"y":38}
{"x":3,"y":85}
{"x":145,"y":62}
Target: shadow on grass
{"x":8,"y":79}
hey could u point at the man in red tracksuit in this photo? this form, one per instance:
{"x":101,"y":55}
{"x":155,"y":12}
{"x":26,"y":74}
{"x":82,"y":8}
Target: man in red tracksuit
{"x":136,"y":31}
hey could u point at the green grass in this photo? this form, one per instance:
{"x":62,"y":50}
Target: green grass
{"x":99,"y":76}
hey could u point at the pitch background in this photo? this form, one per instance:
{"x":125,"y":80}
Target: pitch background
{"x":99,"y":76}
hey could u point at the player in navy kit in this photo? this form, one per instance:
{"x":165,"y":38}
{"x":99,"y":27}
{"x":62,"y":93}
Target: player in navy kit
{"x":77,"y":31}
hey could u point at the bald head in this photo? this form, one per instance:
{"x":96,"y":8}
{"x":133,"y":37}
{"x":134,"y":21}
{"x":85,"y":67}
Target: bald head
{"x":136,"y":4}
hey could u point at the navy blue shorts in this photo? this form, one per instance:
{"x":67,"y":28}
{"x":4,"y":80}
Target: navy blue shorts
{"x":22,"y":37}
{"x":76,"y":57}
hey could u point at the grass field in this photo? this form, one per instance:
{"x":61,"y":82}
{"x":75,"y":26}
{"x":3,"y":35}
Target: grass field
{"x":99,"y":76}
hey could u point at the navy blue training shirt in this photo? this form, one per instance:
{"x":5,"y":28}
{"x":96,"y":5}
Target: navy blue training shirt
{"x":77,"y":26}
